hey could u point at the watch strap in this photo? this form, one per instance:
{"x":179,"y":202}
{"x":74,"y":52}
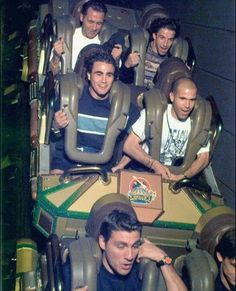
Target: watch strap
{"x":166,"y":260}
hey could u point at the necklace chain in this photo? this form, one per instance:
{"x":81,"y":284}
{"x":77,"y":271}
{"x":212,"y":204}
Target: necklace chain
{"x":172,"y":138}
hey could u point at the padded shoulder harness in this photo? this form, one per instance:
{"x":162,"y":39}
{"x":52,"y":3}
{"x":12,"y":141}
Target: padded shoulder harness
{"x":85,"y":261}
{"x":139,"y":38}
{"x":65,"y":29}
{"x":71,"y":88}
{"x":107,"y":31}
{"x":201,"y":116}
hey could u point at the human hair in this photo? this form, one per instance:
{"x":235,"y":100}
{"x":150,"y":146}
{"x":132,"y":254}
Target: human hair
{"x":170,"y":23}
{"x":99,"y":55}
{"x":226,"y":245}
{"x":95,"y":5}
{"x":178,"y":81}
{"x":118,"y":220}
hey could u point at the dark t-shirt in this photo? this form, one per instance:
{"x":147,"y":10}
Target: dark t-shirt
{"x":91,"y":128}
{"x":219,"y":286}
{"x":113,"y":282}
{"x":107,"y":281}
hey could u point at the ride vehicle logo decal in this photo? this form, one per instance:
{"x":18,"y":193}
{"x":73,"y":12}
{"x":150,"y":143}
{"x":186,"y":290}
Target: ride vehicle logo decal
{"x":140,"y":191}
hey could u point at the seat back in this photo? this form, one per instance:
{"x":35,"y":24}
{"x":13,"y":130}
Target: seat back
{"x":85,"y":53}
{"x":71,"y":87}
{"x":156,"y":104}
{"x":169,"y":71}
{"x":107,"y":31}
{"x":180,"y":49}
{"x":199,"y":269}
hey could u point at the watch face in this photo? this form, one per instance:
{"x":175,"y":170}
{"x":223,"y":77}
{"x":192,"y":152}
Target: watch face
{"x":167,"y":260}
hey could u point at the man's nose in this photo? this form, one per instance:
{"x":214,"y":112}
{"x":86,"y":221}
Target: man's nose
{"x":95,"y":26}
{"x":104,"y":78}
{"x":166,"y":42}
{"x":187,"y":103}
{"x":129,"y":254}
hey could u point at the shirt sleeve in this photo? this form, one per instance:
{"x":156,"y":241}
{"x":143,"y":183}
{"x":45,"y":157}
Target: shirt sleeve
{"x":205,"y":149}
{"x":134,"y":114}
{"x":139,"y":126}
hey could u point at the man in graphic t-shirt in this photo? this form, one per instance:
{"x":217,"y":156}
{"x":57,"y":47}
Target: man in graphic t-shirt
{"x":175,"y":133}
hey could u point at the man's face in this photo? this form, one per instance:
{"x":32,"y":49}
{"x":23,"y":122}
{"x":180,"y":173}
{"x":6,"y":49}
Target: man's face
{"x":163,"y":40}
{"x":101,"y":79}
{"x":92,"y":22}
{"x":227,"y":268}
{"x":183,"y":102}
{"x":120,"y":251}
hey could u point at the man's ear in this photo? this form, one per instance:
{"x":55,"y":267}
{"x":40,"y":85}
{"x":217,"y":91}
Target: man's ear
{"x":171,"y":95}
{"x":154,"y":36}
{"x":101,"y":242}
{"x":88,"y":76}
{"x":81,"y":17}
{"x":219,"y":257}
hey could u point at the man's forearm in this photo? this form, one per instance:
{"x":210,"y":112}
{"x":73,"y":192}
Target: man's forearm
{"x":172,"y":280}
{"x":138,"y":154}
{"x":198,"y":165}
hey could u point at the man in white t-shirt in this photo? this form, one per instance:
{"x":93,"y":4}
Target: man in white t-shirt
{"x":92,"y":17}
{"x":175,"y":133}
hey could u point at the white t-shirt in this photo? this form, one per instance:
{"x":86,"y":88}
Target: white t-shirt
{"x":174,"y":136}
{"x":79,"y":42}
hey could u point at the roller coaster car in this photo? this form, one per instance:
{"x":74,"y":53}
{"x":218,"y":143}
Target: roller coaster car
{"x":186,"y":218}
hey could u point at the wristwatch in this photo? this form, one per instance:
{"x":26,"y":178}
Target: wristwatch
{"x":166,"y":260}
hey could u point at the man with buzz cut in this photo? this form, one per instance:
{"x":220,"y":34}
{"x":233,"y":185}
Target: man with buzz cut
{"x":176,"y":128}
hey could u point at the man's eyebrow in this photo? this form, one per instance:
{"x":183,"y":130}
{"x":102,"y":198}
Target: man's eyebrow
{"x":100,"y":72}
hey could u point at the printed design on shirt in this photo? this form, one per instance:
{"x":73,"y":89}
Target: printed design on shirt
{"x":140,"y":191}
{"x":175,"y":146}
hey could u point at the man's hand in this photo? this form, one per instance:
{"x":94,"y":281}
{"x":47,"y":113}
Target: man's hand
{"x":150,"y":251}
{"x":59,"y":47}
{"x":60,"y":119}
{"x":176,"y":178}
{"x":116,"y":52}
{"x":132,"y":60}
{"x":161,"y":170}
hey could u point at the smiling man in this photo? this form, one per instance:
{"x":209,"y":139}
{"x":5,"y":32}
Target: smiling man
{"x":163,"y":31}
{"x":93,"y":111}
{"x":92,"y":18}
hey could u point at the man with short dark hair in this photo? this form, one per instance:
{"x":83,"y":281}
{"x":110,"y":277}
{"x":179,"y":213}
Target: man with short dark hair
{"x":122,"y":249}
{"x":93,"y":111}
{"x":163,"y":31}
{"x":92,"y":17}
{"x":225,"y":254}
